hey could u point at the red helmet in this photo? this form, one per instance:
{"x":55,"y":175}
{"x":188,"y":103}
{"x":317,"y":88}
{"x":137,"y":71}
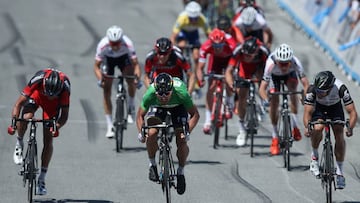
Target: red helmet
{"x":217,"y":36}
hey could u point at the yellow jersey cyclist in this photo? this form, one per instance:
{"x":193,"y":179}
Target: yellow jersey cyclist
{"x":167,"y":94}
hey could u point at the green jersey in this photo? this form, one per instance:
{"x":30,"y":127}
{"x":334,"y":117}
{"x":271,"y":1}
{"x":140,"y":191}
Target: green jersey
{"x":179,"y":96}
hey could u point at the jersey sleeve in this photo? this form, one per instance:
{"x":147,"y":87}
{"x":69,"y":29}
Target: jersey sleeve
{"x":183,"y":94}
{"x":148,"y":98}
{"x":345,"y":95}
{"x":179,"y":23}
{"x":205,"y":25}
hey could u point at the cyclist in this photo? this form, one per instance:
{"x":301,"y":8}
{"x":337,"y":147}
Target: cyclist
{"x":323,"y":100}
{"x":251,"y":22}
{"x":167,"y":94}
{"x":168,"y":59}
{"x":282,"y":65}
{"x":246,"y":3}
{"x":219,"y":46}
{"x":249,"y":58}
{"x":116,"y":49}
{"x":224,"y":23}
{"x":186,"y":29}
{"x":49,"y":89}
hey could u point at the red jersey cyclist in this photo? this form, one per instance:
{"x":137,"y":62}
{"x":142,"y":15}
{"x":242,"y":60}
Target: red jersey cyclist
{"x":282,"y":65}
{"x":50,"y":90}
{"x":325,"y":99}
{"x":116,"y":49}
{"x":249,"y":58}
{"x":219,"y":47}
{"x":166,"y":58}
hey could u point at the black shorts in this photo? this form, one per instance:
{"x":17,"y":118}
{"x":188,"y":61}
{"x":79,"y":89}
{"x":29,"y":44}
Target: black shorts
{"x":178,"y":114}
{"x":276,"y":79}
{"x":121,"y":62}
{"x":334,"y":112}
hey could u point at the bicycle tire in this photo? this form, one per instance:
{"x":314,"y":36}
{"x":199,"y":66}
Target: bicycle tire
{"x":328,"y":173}
{"x":217,"y":122}
{"x":226,"y":128}
{"x":286,"y":137}
{"x":166,"y":175}
{"x":31,"y":172}
{"x":252,"y":127}
{"x":119,"y":124}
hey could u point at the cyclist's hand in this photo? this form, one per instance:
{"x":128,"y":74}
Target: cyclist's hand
{"x":100,"y":83}
{"x":349,"y":132}
{"x":307,"y":132}
{"x":141,"y":138}
{"x":54,"y":132}
{"x":11,"y":130}
{"x":201,"y":83}
{"x":266,"y":103}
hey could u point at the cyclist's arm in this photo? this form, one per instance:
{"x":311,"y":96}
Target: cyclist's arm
{"x":200,"y":71}
{"x":140,"y":118}
{"x":308,"y":111}
{"x":194,"y":117}
{"x":97,"y":70}
{"x":268,"y":37}
{"x":191,"y":82}
{"x":63,"y":117}
{"x":229,"y":75}
{"x":137,"y":70}
{"x":262,"y":90}
{"x":147,"y":80}
{"x":305,"y":84}
{"x":351,"y":110}
{"x":18,"y":105}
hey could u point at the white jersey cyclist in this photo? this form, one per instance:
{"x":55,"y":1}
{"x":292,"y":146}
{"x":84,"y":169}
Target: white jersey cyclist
{"x":272,"y":69}
{"x":104,"y":50}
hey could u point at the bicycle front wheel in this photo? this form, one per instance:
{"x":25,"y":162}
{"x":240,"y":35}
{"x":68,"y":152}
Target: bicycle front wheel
{"x":166,"y":176}
{"x":329,"y":171}
{"x":119,"y":124}
{"x":251,"y":126}
{"x":217,"y":122}
{"x":31,"y":171}
{"x":286,"y":137}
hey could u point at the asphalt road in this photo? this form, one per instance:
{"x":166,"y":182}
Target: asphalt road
{"x":85,"y":166}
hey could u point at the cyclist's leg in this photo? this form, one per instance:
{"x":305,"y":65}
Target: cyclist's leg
{"x":127,"y":68}
{"x":340,"y":146}
{"x":316,"y":137}
{"x":108,"y":69}
{"x":292,"y":83}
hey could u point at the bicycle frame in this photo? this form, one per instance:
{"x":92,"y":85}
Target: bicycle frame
{"x":167,"y":168}
{"x":121,"y":111}
{"x":251,"y":119}
{"x":218,"y":107}
{"x":30,"y":168}
{"x":327,"y":168}
{"x":284,"y":124}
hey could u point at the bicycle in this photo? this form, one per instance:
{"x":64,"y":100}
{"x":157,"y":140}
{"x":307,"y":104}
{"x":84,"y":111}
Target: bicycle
{"x":167,"y":168}
{"x":284,"y":123}
{"x":30,"y":168}
{"x":251,"y":116}
{"x":219,"y":106}
{"x":121,"y":111}
{"x":327,"y":169}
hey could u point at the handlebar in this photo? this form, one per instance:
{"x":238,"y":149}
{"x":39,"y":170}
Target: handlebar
{"x":216,"y":76}
{"x":53,"y":128}
{"x":286,"y":92}
{"x":121,"y":76}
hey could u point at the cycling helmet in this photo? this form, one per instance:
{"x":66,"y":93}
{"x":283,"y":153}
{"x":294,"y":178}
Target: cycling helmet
{"x":223,"y":22}
{"x":52,"y":83}
{"x":163,"y":45}
{"x":193,"y":9}
{"x":163,"y":83}
{"x":217,"y":36}
{"x":284,"y":53}
{"x":249,"y":46}
{"x":248,"y":15}
{"x":324,"y":80}
{"x":114,"y":33}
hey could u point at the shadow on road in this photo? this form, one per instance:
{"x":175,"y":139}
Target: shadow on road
{"x":132,"y":149}
{"x":71,"y":200}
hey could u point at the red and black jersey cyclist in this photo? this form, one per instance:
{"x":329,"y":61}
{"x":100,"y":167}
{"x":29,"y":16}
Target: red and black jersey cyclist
{"x":166,"y":58}
{"x":249,"y":59}
{"x":50,"y":90}
{"x":219,"y":47}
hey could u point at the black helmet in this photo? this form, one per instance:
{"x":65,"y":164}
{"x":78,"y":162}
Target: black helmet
{"x":52,"y":83}
{"x":163,"y":83}
{"x":163,"y":45}
{"x":250,"y":46}
{"x":223,"y":22}
{"x":324,"y":80}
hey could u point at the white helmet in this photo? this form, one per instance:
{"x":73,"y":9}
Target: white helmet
{"x":193,"y":9}
{"x":284,"y":53}
{"x":248,"y":15}
{"x":114,"y":33}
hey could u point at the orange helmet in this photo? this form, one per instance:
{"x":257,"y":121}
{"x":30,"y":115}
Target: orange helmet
{"x":217,"y":36}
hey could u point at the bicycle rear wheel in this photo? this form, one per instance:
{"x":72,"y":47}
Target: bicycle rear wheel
{"x":31,"y":172}
{"x":119,"y":123}
{"x":166,"y":176}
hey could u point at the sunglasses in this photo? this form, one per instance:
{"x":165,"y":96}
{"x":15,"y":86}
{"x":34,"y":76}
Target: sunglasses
{"x":218,"y":45}
{"x":163,"y":53}
{"x":319,"y":91}
{"x":285,"y":63}
{"x":193,"y":19}
{"x":117,"y":43}
{"x":163,"y":94}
